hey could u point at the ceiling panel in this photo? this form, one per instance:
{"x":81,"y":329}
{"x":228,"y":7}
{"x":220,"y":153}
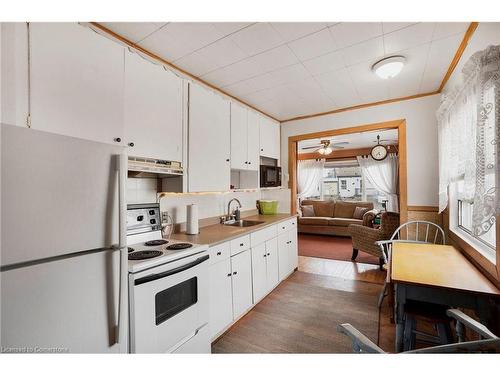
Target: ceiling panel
{"x":290,"y":69}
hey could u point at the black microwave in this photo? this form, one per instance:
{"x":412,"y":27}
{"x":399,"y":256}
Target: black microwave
{"x":270,"y":176}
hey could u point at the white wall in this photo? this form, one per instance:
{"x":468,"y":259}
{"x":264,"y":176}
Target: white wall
{"x":486,"y":34}
{"x":421,"y":137}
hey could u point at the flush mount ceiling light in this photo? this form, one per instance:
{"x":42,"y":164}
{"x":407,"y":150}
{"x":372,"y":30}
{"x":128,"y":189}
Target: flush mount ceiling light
{"x":389,"y":67}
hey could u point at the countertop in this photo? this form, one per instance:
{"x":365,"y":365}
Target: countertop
{"x":218,"y":233}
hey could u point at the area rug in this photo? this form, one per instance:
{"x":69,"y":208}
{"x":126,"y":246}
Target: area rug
{"x":331,"y":247}
{"x":301,"y":316}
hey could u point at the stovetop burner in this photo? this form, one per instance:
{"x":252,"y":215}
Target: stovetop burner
{"x":145,"y":254}
{"x":155,"y":242}
{"x":179,"y":246}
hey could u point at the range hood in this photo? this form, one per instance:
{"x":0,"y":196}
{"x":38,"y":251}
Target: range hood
{"x":146,"y":167}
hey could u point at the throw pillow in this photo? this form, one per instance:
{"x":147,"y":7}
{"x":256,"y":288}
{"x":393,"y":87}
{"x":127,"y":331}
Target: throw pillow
{"x":308,"y":211}
{"x":359,"y":212}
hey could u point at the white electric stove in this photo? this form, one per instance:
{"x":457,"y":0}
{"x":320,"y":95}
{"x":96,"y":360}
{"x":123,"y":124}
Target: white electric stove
{"x":168,"y":288}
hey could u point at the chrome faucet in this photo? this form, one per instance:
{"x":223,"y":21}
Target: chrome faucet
{"x":229,"y":208}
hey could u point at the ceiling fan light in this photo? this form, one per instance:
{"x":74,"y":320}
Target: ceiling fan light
{"x":389,"y":67}
{"x":327,"y":151}
{"x":322,"y":151}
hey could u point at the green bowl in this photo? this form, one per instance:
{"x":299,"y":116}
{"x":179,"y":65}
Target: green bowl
{"x":268,"y":207}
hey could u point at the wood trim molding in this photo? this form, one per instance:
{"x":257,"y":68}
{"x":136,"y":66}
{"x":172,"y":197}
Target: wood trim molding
{"x":424,"y":208}
{"x":336,"y":154}
{"x":144,"y":51}
{"x":400,"y":125}
{"x":458,"y":55}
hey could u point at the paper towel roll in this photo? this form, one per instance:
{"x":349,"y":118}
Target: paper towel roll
{"x":192,"y":226}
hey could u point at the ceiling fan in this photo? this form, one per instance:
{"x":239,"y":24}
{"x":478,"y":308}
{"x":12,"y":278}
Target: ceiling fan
{"x":326,"y":147}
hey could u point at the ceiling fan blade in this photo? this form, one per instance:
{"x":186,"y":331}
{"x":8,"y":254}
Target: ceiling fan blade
{"x":340,"y":143}
{"x":310,"y":147}
{"x":339,"y":147}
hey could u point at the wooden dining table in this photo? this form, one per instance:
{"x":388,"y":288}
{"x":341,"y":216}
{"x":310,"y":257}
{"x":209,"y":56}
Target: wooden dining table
{"x":439,"y":274}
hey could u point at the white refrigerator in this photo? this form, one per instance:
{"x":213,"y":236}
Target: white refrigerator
{"x":63,"y":244}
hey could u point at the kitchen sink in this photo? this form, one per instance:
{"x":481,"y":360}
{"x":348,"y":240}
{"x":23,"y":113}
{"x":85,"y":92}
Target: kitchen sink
{"x":243,"y":223}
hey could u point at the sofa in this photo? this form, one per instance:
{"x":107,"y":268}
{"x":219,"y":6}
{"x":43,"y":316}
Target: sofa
{"x":332,"y":217}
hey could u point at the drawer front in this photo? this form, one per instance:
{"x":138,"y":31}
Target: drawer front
{"x":219,"y":252}
{"x":287,"y":225}
{"x":240,"y":244}
{"x":263,"y":235}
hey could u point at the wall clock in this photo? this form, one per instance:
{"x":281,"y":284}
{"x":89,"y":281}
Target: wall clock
{"x":379,"y":152}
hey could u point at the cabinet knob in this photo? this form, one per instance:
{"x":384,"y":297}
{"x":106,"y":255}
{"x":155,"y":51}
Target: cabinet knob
{"x":218,"y":253}
{"x":227,"y":159}
{"x":268,"y":254}
{"x":118,"y":139}
{"x":235,"y":273}
{"x":282,"y":227}
{"x":229,"y":275}
{"x":131,"y":144}
{"x":241,"y":244}
{"x":249,"y":162}
{"x":261,"y":149}
{"x":265,"y":255}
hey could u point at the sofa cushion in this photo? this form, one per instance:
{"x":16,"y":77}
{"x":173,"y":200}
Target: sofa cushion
{"x":308,"y":211}
{"x":321,"y":208}
{"x":313,"y":220}
{"x":359,"y":212}
{"x":346,"y":209}
{"x":344,"y":222}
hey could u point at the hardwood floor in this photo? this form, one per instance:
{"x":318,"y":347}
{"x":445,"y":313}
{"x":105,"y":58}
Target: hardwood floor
{"x":300,"y":315}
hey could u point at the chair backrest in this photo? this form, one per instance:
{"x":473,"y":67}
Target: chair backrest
{"x":419,"y":231}
{"x":389,"y":221}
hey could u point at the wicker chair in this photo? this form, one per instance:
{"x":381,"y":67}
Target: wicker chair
{"x":365,"y":238}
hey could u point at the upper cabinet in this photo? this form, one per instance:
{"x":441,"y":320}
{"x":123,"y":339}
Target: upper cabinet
{"x":209,"y":162}
{"x":269,"y":138}
{"x":76,"y":82}
{"x":153,"y":110}
{"x":244,"y":138}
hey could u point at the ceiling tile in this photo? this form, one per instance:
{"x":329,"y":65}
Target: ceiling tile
{"x":325,"y":63}
{"x":440,"y":55}
{"x":389,"y":27}
{"x":444,"y":29}
{"x":275,"y":58}
{"x":217,"y":55}
{"x":408,"y":37}
{"x":368,"y":51}
{"x":408,"y":81}
{"x":369,"y":86}
{"x":257,"y":38}
{"x":349,"y":33}
{"x":313,"y":45}
{"x":295,"y":30}
{"x":134,"y":31}
{"x":178,"y":39}
{"x":227,"y":28}
{"x":339,"y":87}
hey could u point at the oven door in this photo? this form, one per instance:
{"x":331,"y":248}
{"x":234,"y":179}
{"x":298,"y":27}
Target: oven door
{"x":169,"y":303}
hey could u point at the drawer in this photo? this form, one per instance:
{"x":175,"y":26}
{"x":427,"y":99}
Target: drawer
{"x":219,"y":252}
{"x":240,"y":244}
{"x":287,"y":225}
{"x":263,"y":235}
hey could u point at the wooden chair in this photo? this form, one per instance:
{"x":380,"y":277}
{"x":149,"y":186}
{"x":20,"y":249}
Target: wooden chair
{"x":416,"y":232}
{"x":487,"y":343}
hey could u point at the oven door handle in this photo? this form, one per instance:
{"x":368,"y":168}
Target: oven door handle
{"x":171,"y":272}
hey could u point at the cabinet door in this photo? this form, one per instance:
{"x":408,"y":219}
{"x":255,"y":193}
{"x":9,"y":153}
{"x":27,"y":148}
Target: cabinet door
{"x":76,"y":82}
{"x":241,"y":265}
{"x":253,"y":141}
{"x":293,"y":251}
{"x":272,"y":263}
{"x":221,"y":297}
{"x":153,"y":109}
{"x":269,"y":138}
{"x":238,"y":137}
{"x":283,"y":258}
{"x":209,"y":141}
{"x":259,"y":272}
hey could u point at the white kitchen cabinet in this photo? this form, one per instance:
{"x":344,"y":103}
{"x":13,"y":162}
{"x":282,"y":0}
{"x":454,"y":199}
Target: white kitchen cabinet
{"x":259,"y":272}
{"x":244,"y":138}
{"x":153,"y":109}
{"x":269,"y":138}
{"x":241,"y":267}
{"x":76,"y":82}
{"x":265,"y":275}
{"x":221,"y":296}
{"x":287,"y":252}
{"x":209,"y":167}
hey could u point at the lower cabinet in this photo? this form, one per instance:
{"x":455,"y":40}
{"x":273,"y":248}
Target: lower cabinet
{"x":265,"y":274}
{"x":221,"y":296}
{"x":241,"y":267}
{"x":288,"y":253}
{"x":239,"y":281}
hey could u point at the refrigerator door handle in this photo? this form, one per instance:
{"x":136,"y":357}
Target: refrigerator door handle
{"x":121,"y":327}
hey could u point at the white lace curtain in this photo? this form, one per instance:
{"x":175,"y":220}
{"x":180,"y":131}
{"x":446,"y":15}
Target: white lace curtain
{"x":309,"y":174}
{"x":384,"y":177}
{"x":468,"y":133}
